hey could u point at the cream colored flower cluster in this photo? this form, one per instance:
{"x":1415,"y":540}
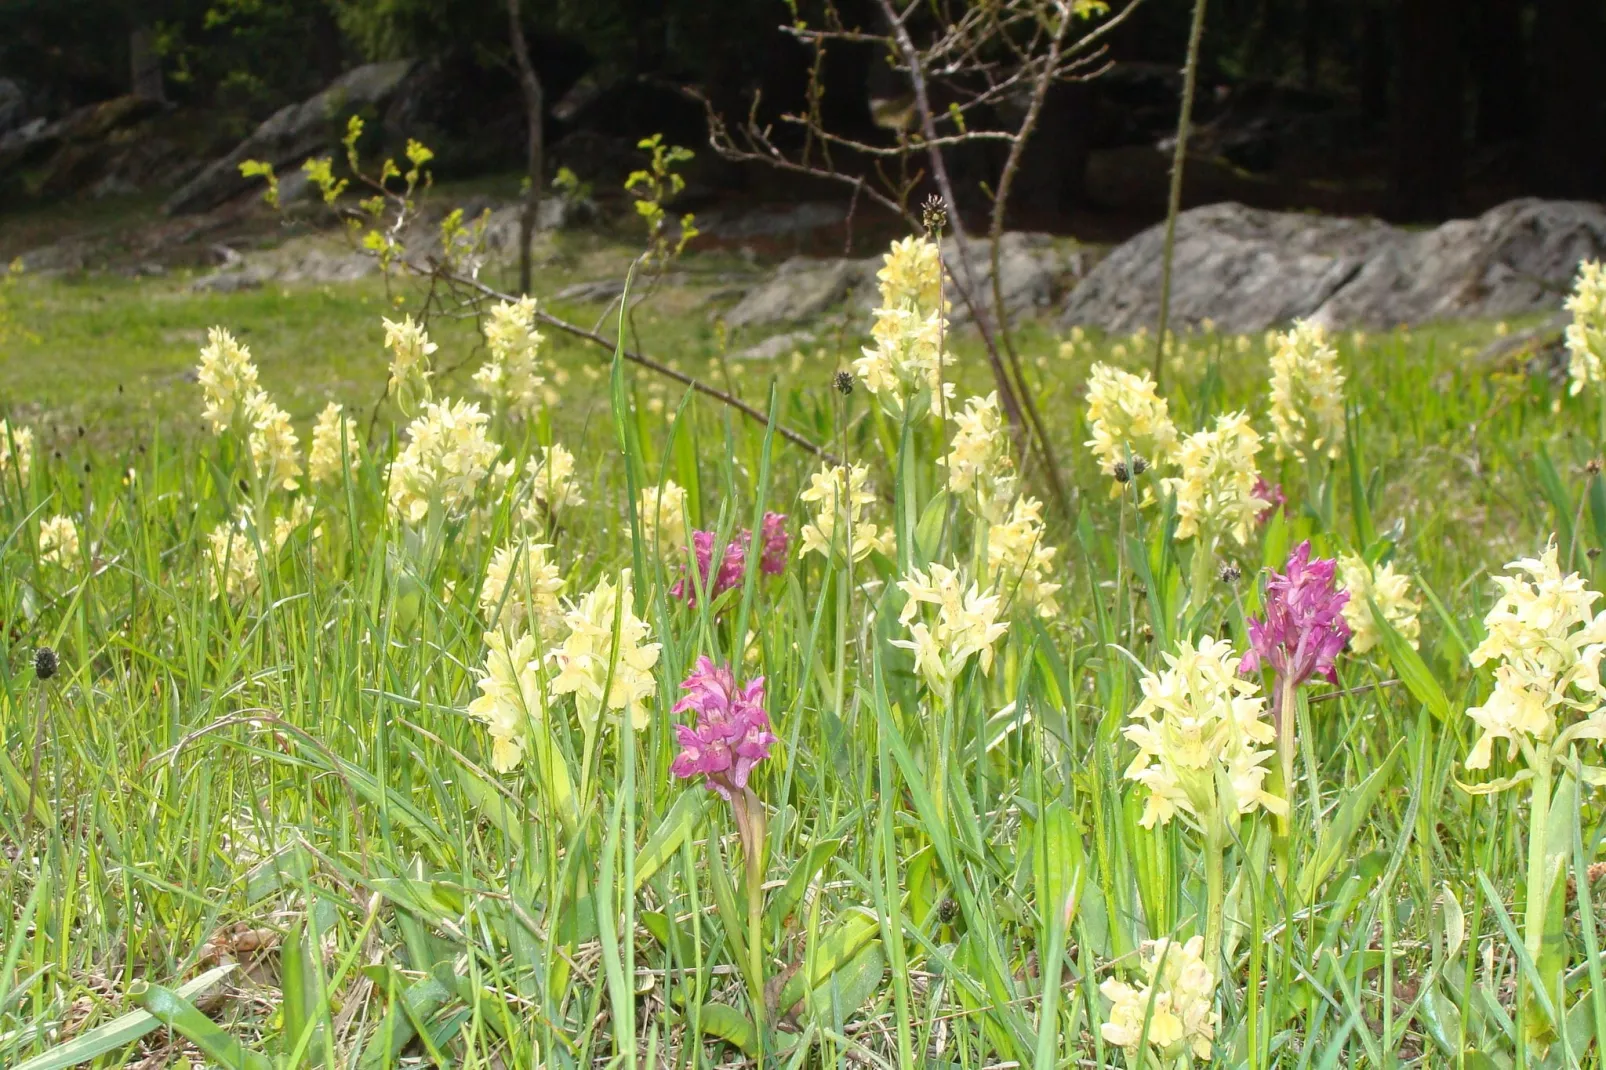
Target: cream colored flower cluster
{"x":446,"y":457}
{"x":664,"y":519}
{"x":553,"y":487}
{"x":334,"y":446}
{"x":1307,"y":394}
{"x":911,"y":275}
{"x":599,"y":671}
{"x":838,"y":497}
{"x":1548,"y":641}
{"x":275,"y":448}
{"x":1172,"y":1014}
{"x":521,"y":589}
{"x":1586,"y":334}
{"x":512,"y":694}
{"x":1019,"y":561}
{"x":58,"y":541}
{"x":517,"y":680}
{"x":980,"y":469}
{"x":1128,"y":419}
{"x":228,"y":381}
{"x":410,"y":349}
{"x":16,"y":451}
{"x":512,"y":377}
{"x":1198,"y":731}
{"x":1390,"y":591}
{"x":910,"y":353}
{"x":1215,"y":490}
{"x":966,"y":624}
{"x":232,"y":558}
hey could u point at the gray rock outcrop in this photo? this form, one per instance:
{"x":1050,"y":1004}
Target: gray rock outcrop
{"x":1248,"y":269}
{"x":1033,"y":269}
{"x":801,"y":288}
{"x":292,"y":134}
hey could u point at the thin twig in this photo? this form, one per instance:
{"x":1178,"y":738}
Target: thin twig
{"x":603,"y":341}
{"x":1328,"y":696}
{"x":1190,"y":73}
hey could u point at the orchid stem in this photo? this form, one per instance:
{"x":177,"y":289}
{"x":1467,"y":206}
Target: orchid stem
{"x":1538,"y":871}
{"x":1216,"y":839}
{"x":750,"y":826}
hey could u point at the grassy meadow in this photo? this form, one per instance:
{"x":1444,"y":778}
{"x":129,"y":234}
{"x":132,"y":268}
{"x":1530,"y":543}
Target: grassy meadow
{"x":261,"y":813}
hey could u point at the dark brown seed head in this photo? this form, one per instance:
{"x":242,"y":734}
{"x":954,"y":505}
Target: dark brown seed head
{"x":1121,"y":472}
{"x":1140,"y":464}
{"x":843,"y":381}
{"x":44,"y":663}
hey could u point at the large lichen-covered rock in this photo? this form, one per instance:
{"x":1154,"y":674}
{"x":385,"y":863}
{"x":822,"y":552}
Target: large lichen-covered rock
{"x":293,"y":133}
{"x":1247,"y":269}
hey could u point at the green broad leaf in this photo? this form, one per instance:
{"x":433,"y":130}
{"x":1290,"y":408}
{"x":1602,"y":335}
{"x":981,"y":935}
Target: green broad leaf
{"x":668,"y":935}
{"x":791,"y":893}
{"x":17,"y":787}
{"x":1540,"y":1013}
{"x":850,"y":988}
{"x":1561,"y":502}
{"x":424,"y":898}
{"x":1593,"y":775}
{"x":1442,"y":1018}
{"x":679,"y":824}
{"x":1597,"y":516}
{"x":284,"y":868}
{"x":1494,"y":787}
{"x":1360,"y":505}
{"x":730,"y":1025}
{"x":181,"y":1016}
{"x":1580,"y":1027}
{"x":725,"y":903}
{"x":1275,"y":541}
{"x":1452,"y":627}
{"x":830,"y":954}
{"x":506,"y":813}
{"x":1454,"y":922}
{"x":928,"y":532}
{"x":1338,"y":838}
{"x":300,"y":989}
{"x":1414,"y":672}
{"x":1059,"y":864}
{"x":117,"y":1033}
{"x":419,"y":1001}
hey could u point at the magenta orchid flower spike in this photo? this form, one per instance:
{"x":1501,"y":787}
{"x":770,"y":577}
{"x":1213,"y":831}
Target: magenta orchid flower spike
{"x":773,"y":544}
{"x":1304,"y":628}
{"x":731,"y":734}
{"x":1272,"y":494}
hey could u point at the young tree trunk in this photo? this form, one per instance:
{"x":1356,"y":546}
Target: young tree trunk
{"x":1428,"y":151}
{"x":1569,"y":159}
{"x":145,"y":66}
{"x":534,"y":122}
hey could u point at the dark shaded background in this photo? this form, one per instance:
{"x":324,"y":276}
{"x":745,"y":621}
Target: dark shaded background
{"x":1416,"y":109}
